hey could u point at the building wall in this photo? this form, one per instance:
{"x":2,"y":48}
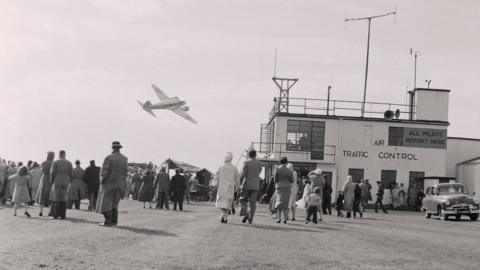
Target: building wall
{"x":469,"y":174}
{"x":460,"y":150}
{"x":364,"y":145}
{"x":431,"y":104}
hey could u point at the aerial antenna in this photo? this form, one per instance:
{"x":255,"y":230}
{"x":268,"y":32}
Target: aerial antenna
{"x":275,"y":65}
{"x":368,"y":49}
{"x":415,"y":54}
{"x":428,"y":83}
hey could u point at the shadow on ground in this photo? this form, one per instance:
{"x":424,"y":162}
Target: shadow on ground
{"x":291,"y":227}
{"x":145,"y":231}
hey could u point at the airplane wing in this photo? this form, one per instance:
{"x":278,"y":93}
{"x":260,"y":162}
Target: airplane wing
{"x":151,"y":112}
{"x":184,"y":115}
{"x":159,"y":92}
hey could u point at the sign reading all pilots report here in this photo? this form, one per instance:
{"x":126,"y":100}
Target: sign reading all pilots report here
{"x":417,"y":137}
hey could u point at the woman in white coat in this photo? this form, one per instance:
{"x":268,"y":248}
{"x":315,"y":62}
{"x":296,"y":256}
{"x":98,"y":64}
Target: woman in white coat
{"x":227,"y":178}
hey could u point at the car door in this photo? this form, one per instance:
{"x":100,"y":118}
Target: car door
{"x":433,"y":202}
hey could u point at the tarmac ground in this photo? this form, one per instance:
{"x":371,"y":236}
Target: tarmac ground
{"x":195,"y":239}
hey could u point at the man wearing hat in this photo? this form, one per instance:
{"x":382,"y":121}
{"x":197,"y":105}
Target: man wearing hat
{"x":162,"y":183}
{"x":92,"y":179}
{"x":380,"y":192}
{"x":250,"y":184}
{"x":112,"y":178}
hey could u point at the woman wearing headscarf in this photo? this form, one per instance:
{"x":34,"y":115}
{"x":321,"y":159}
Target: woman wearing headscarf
{"x":228,"y":179}
{"x":75,"y":189}
{"x":21,"y":182}
{"x":146,"y":192}
{"x":12,"y":170}
{"x":36,"y":173}
{"x":349,"y":195}
{"x":45,"y":187}
{"x":293,"y":191}
{"x":60,"y":176}
{"x":283,"y":180}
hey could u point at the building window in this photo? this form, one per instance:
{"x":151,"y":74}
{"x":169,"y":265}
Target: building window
{"x":395,"y":136}
{"x":307,"y":136}
{"x":357,"y":174}
{"x":389,"y":178}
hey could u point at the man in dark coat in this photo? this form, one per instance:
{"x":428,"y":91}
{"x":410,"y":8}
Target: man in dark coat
{"x":327,"y":199}
{"x":380,"y":192}
{"x":178,"y":188}
{"x":162,"y":184}
{"x":112,"y":179}
{"x":92,"y":180}
{"x":137,"y":183}
{"x":250,"y":183}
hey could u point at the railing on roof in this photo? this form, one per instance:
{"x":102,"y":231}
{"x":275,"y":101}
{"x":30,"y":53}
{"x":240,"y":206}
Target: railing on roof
{"x":294,"y":152}
{"x":342,"y":108}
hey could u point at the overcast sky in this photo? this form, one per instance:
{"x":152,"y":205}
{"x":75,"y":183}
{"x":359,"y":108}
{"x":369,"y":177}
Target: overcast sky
{"x":71,"y":71}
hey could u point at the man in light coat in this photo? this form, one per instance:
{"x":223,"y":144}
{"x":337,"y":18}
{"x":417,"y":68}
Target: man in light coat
{"x":228,"y":179}
{"x":349,"y":195}
{"x":250,"y":184}
{"x":112,"y":178}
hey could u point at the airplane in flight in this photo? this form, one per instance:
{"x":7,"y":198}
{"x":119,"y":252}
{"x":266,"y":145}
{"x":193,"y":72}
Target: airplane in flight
{"x":174,"y":104}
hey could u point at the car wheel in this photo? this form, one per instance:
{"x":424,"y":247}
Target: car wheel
{"x":441,"y":215}
{"x":474,"y":217}
{"x":428,"y":215}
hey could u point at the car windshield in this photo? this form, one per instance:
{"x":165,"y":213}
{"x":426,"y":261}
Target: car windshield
{"x":451,"y":189}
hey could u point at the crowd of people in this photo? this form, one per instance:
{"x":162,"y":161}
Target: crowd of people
{"x":285,"y":192}
{"x":149,"y":186}
{"x":59,"y":185}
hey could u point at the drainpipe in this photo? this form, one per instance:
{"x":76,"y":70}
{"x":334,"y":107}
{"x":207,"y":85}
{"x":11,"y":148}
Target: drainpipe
{"x":337,"y":157}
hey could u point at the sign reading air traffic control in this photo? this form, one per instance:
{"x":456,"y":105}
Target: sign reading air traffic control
{"x":417,"y":137}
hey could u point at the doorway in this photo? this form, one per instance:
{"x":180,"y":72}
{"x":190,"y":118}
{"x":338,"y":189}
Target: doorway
{"x":415,"y":181}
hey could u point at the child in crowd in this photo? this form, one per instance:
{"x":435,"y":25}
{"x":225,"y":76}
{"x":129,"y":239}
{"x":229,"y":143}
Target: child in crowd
{"x":313,"y":202}
{"x":22,"y":182}
{"x":339,"y":204}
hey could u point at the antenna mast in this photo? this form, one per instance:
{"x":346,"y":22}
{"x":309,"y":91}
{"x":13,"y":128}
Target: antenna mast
{"x":275,"y":66}
{"x":415,"y":54}
{"x":368,"y":49}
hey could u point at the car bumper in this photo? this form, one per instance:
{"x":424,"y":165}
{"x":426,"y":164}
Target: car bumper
{"x":454,"y":212}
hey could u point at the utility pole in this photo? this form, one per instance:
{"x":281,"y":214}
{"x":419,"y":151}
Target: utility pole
{"x":415,"y":54}
{"x":368,"y":50}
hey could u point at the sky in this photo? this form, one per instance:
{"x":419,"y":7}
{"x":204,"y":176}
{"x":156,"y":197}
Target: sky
{"x":71,"y":71}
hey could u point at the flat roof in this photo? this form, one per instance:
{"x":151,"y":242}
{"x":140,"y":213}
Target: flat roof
{"x":354,"y":118}
{"x":463,"y":139}
{"x":432,"y":89}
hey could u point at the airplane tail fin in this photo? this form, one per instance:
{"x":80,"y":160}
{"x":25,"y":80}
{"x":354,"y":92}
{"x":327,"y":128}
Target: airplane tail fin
{"x":147,"y":109}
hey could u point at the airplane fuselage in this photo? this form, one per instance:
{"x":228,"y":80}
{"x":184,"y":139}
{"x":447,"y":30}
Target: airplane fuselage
{"x":170,"y":103}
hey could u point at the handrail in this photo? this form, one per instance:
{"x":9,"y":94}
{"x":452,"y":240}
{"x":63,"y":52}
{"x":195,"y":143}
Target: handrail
{"x":335,"y":107}
{"x":282,"y":149}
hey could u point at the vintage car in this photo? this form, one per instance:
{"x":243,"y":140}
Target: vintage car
{"x":450,"y":199}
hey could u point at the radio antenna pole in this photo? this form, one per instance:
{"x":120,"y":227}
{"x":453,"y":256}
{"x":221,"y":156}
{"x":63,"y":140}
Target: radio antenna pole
{"x":275,"y":65}
{"x":415,"y":54}
{"x":368,"y":49}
